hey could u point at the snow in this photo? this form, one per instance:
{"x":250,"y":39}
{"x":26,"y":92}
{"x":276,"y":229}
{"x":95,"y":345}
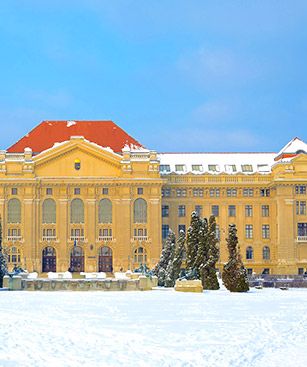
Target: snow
{"x":293,"y":146}
{"x":71,"y":123}
{"x":156,"y":328}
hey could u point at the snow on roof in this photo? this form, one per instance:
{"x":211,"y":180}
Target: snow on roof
{"x":294,"y":146}
{"x":216,"y":163}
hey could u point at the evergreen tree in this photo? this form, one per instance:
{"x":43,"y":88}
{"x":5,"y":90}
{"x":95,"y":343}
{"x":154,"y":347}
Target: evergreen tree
{"x":174,"y":266}
{"x":166,"y":254}
{"x":209,"y":277}
{"x":3,"y":263}
{"x":192,"y":242}
{"x":234,"y":275}
{"x":202,"y":250}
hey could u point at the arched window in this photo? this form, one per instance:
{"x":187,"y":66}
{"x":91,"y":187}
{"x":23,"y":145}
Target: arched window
{"x":140,"y":211}
{"x":105,"y":261}
{"x":266,"y":253}
{"x":13,"y":211}
{"x":76,"y":259}
{"x":49,"y":211}
{"x":77,"y":211}
{"x":140,"y":255}
{"x":249,"y":253}
{"x":105,"y":211}
{"x":49,"y":259}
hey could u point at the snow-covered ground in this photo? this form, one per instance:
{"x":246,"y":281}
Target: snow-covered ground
{"x":157,"y":328}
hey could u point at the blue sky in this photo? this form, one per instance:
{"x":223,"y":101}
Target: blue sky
{"x":177,"y":75}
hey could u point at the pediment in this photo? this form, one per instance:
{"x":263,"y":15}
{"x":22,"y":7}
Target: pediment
{"x":94,"y":161}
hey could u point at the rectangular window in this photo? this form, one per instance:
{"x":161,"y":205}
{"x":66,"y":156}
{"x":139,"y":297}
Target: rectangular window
{"x":140,"y":191}
{"x":14,"y":191}
{"x":105,"y":191}
{"x":181,"y":227}
{"x":265,"y":231}
{"x":265,"y":210}
{"x":248,"y":210}
{"x":213,"y":168}
{"x":181,"y":192}
{"x":181,"y":211}
{"x":248,"y":192}
{"x":214,"y":193}
{"x":165,"y":168}
{"x":165,"y":211}
{"x":249,"y":231}
{"x":77,"y":191}
{"x":300,"y":271}
{"x":231,"y":210}
{"x":197,"y":167}
{"x":263,"y":168}
{"x":247,"y":168}
{"x":302,"y":229}
{"x":166,"y":193}
{"x":229,"y":168}
{"x":301,"y":207}
{"x":199,"y":210}
{"x":264,"y":192}
{"x":165,"y":231}
{"x":231,"y":192}
{"x":48,"y":191}
{"x":249,"y":271}
{"x":198,"y":192}
{"x":215,"y":210}
{"x":180,"y":168}
{"x":300,"y":189}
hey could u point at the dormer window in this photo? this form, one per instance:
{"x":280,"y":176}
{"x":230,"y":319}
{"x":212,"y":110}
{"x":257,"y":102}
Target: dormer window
{"x":213,"y":167}
{"x":180,"y":168}
{"x":197,"y":167}
{"x":230,"y":168}
{"x":165,"y":168}
{"x":247,"y":168}
{"x":263,"y":168}
{"x":77,"y":164}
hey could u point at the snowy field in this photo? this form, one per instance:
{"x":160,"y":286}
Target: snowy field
{"x":157,"y":328}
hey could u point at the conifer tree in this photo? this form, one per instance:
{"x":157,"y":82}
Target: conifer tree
{"x":202,"y":250}
{"x":166,"y":254}
{"x":192,"y":242}
{"x":3,"y":263}
{"x":174,"y":266}
{"x":209,"y":277}
{"x":234,"y":275}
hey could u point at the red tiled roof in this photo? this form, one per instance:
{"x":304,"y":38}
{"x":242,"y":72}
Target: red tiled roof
{"x":103,"y":133}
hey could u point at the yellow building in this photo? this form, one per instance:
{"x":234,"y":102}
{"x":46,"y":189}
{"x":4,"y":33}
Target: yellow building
{"x":87,"y":196}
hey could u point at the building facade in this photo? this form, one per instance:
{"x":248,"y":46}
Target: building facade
{"x":86,"y":196}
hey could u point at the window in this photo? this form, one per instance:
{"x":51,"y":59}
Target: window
{"x":140,"y":211}
{"x":264,"y":192}
{"x":300,"y":271}
{"x":180,"y":168}
{"x":165,"y":168}
{"x":140,"y":233}
{"x":105,"y":211}
{"x":14,"y":255}
{"x":265,"y":231}
{"x":165,"y":231}
{"x":166,"y":192}
{"x":215,"y":210}
{"x":181,"y":227}
{"x":248,"y":192}
{"x":13,"y":234}
{"x":165,"y":211}
{"x":231,"y":210}
{"x":300,"y":189}
{"x":266,"y":253}
{"x":49,"y":211}
{"x":77,"y":211}
{"x":14,"y":191}
{"x":249,"y":253}
{"x":48,"y":191}
{"x":249,"y":271}
{"x":247,"y":168}
{"x":140,"y":256}
{"x":266,"y":271}
{"x":217,"y":232}
{"x":248,"y":210}
{"x":140,"y":191}
{"x":77,"y":190}
{"x":249,"y":231}
{"x":181,"y":211}
{"x":77,"y":164}
{"x":263,"y":168}
{"x":181,"y":192}
{"x":231,"y":192}
{"x":13,"y":211}
{"x":105,"y":191}
{"x":49,"y":234}
{"x":229,"y":168}
{"x":301,"y":207}
{"x":77,"y":234}
{"x":265,"y":210}
{"x":197,"y":167}
{"x":214,"y":193}
{"x":199,"y":210}
{"x":198,"y":192}
{"x":302,"y":229}
{"x":213,"y":167}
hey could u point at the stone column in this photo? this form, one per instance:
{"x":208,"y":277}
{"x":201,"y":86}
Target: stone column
{"x":63,"y":253}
